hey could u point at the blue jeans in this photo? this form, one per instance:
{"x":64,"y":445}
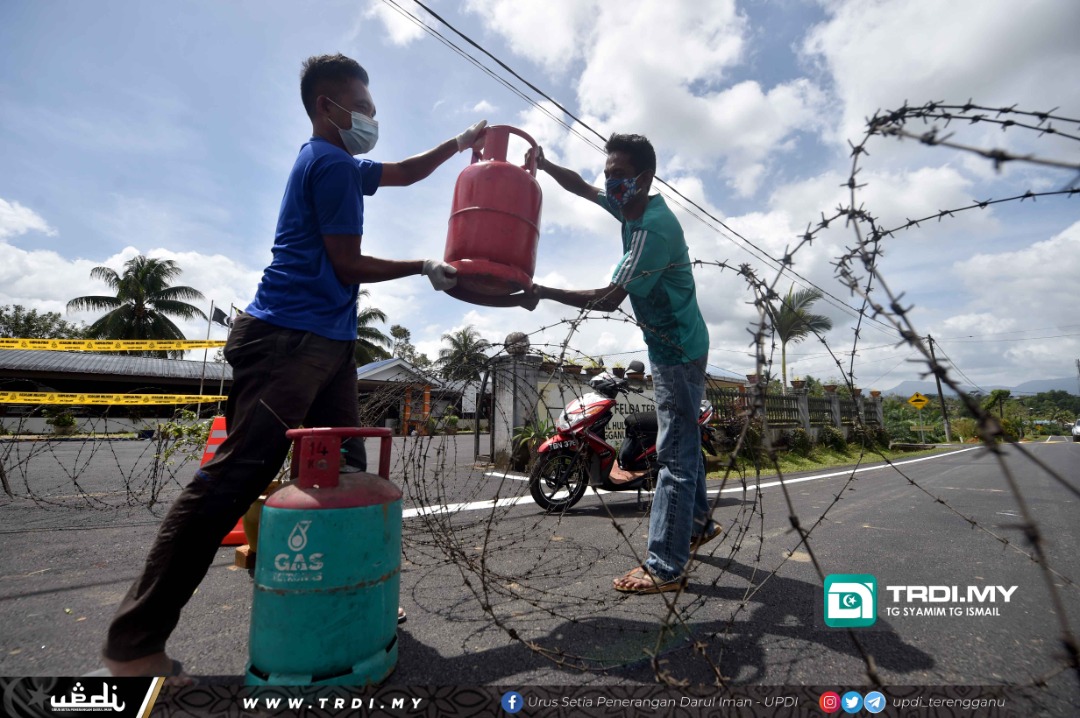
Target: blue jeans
{"x":680,"y":507}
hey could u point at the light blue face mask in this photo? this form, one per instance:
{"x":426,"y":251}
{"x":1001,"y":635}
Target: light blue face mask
{"x":361,"y":137}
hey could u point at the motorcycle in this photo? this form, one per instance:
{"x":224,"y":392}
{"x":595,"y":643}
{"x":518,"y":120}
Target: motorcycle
{"x":577,"y":456}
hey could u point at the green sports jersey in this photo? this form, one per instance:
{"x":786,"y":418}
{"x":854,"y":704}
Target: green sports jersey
{"x":655,"y":271}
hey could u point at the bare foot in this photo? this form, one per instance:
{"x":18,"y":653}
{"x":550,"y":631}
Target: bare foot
{"x":619,"y":475}
{"x":156,"y":664}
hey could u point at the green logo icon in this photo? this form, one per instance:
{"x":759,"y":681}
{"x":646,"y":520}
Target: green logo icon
{"x":850,"y":600}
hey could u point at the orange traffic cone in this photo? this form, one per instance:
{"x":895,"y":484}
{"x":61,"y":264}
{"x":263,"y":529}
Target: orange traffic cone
{"x":236,"y":537}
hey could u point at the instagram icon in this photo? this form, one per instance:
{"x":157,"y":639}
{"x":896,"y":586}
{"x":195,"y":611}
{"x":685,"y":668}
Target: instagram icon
{"x":829,"y":702}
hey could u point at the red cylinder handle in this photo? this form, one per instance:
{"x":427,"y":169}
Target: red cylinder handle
{"x":495,"y":146}
{"x":340,"y":432}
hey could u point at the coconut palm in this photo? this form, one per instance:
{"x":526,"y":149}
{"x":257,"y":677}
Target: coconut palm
{"x":793,"y":321}
{"x":371,"y":344}
{"x":142,"y":304}
{"x":466,"y":356}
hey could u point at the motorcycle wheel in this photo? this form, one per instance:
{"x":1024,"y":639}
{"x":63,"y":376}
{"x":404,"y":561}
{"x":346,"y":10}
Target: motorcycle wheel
{"x":558,"y":480}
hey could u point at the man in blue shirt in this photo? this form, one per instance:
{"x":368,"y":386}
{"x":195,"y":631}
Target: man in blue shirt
{"x":291,"y":351}
{"x":655,"y":272}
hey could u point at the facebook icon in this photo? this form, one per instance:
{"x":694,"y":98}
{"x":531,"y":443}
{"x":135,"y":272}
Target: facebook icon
{"x":512,"y":702}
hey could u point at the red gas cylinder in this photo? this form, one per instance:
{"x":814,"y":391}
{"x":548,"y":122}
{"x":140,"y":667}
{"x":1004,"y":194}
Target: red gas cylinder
{"x":494,"y":224}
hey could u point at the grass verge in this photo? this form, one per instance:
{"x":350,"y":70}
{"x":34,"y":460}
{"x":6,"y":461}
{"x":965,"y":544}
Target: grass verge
{"x":820,"y":459}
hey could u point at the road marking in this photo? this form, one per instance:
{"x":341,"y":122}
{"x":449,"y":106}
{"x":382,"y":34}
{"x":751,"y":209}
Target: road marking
{"x":847,"y":472}
{"x":455,"y":508}
{"x":481,"y":505}
{"x":506,"y":475}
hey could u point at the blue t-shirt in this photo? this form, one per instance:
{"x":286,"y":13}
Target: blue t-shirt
{"x":324,"y":195}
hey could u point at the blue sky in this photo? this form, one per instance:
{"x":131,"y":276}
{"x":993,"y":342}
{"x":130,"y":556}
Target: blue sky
{"x":168,"y":130}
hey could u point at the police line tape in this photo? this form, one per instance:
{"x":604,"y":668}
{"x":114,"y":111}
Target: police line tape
{"x":107,"y":345}
{"x":51,"y":397}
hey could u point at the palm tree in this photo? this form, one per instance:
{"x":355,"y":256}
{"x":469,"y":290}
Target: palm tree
{"x":142,"y":301}
{"x":465,"y":358}
{"x":793,"y":322}
{"x":371,"y":344}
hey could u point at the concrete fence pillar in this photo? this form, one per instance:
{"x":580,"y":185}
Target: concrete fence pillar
{"x":834,"y":405}
{"x":515,"y":397}
{"x":803,"y":397}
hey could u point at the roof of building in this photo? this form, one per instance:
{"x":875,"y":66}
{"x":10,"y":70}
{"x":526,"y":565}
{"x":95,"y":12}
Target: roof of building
{"x":396,"y":369}
{"x":113,"y":364}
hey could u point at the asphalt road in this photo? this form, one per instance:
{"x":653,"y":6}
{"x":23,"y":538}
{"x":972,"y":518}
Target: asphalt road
{"x":476,"y":575}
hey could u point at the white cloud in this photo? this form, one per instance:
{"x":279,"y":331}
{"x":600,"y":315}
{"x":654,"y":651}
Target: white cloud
{"x":551,"y":33}
{"x":883,"y":53}
{"x":1036,"y":283}
{"x":46,"y":281}
{"x":484,"y":106}
{"x":15,"y":219}
{"x":669,"y":87}
{"x":400,"y":30}
{"x":892,"y":196}
{"x":1017,"y":312}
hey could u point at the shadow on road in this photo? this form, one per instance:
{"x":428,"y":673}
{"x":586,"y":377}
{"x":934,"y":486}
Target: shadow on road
{"x":764,"y":642}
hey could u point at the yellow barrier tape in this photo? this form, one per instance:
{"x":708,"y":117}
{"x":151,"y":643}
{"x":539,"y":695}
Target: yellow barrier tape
{"x":109,"y":345}
{"x":49,"y":397}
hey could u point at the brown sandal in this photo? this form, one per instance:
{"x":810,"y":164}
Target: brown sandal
{"x":654,"y":584}
{"x":708,"y":535}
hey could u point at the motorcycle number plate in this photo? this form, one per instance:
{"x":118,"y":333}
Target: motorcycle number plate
{"x":565,"y":444}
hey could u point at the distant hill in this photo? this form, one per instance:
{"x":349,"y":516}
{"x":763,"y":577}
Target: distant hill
{"x":1036,"y":386}
{"x":1041,"y":385}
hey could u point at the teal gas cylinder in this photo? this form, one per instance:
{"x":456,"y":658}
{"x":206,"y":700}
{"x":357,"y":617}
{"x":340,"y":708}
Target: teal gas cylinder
{"x":326,"y":580}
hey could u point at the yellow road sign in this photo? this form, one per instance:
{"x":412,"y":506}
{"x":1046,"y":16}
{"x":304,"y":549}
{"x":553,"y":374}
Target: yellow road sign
{"x":918,"y":401}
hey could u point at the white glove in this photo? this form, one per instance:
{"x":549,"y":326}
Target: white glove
{"x":469,"y":137}
{"x":442,"y":275}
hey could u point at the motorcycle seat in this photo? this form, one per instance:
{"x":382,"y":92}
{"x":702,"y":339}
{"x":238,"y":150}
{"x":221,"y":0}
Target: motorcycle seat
{"x":641,"y":429}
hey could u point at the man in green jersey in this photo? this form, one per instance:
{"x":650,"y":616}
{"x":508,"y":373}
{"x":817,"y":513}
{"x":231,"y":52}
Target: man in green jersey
{"x":655,"y":272}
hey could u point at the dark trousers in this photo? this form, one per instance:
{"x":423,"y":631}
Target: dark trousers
{"x":282,"y":379}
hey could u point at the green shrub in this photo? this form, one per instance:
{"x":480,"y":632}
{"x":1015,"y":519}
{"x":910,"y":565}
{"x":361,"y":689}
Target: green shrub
{"x":527,"y":439}
{"x":1011,"y":430}
{"x":870,"y":437}
{"x":832,"y":438}
{"x":60,"y":419}
{"x":799,"y":441}
{"x":185,"y":434}
{"x":881,"y":437}
{"x":964,"y":429}
{"x":730,"y":428}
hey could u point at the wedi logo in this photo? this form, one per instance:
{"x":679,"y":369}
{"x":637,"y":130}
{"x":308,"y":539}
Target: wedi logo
{"x":81,"y":700}
{"x":850,"y":600}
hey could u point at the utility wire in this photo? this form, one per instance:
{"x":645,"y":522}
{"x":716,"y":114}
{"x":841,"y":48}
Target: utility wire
{"x":1020,"y":339}
{"x":894,"y":368}
{"x":957,"y":368}
{"x":1058,"y":327}
{"x":762,"y":255}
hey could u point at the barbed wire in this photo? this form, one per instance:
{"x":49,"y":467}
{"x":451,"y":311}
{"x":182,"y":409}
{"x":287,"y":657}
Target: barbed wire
{"x":523,"y":568}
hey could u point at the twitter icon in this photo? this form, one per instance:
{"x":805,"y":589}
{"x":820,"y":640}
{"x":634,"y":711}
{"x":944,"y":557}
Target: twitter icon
{"x":874,"y":702}
{"x":851,"y":702}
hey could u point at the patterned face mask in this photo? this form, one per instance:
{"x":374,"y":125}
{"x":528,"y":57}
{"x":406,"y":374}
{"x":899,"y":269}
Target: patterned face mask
{"x":621,"y":191}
